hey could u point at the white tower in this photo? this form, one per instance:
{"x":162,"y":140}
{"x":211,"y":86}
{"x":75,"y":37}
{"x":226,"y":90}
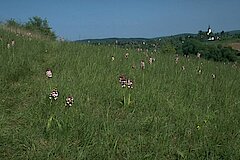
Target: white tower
{"x":209,"y":30}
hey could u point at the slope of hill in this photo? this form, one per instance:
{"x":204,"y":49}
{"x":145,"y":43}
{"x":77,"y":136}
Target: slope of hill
{"x":235,"y":46}
{"x":178,"y":108}
{"x":233,"y":32}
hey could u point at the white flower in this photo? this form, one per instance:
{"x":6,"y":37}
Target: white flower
{"x":126,"y":55}
{"x":69,"y":101}
{"x":198,"y":55}
{"x":113,"y":58}
{"x":49,"y":73}
{"x":129,"y":83}
{"x":125,"y":82}
{"x":176,"y":59}
{"x":150,"y":60}
{"x":142,"y":65}
{"x":199,"y":71}
{"x":54,"y":94}
{"x":213,"y":76}
{"x":13,"y":43}
{"x":8,"y":45}
{"x":183,"y":68}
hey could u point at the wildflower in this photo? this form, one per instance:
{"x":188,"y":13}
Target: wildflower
{"x":126,"y":55}
{"x":69,"y":101}
{"x":213,"y":76}
{"x":176,"y":59}
{"x":54,"y":94}
{"x":199,"y":71}
{"x":198,"y":55}
{"x":49,"y":73}
{"x":150,"y":60}
{"x":198,"y":127}
{"x":187,"y":56}
{"x":133,"y":66}
{"x":13,"y":42}
{"x":139,"y":49}
{"x":8,"y":45}
{"x":121,"y":77}
{"x":142,"y":65}
{"x":129,"y":83}
{"x":123,"y":81}
{"x":29,"y":34}
{"x":234,"y":65}
{"x":113,"y":58}
{"x":183,"y":68}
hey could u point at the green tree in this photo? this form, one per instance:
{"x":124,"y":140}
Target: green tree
{"x":201,"y":35}
{"x":13,"y":23}
{"x":191,"y":46}
{"x":41,"y":25}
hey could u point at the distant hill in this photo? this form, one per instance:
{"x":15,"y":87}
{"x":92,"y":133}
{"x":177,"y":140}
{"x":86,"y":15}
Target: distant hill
{"x":233,"y":32}
{"x":113,"y":40}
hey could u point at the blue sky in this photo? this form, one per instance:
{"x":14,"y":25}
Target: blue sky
{"x":82,"y":19}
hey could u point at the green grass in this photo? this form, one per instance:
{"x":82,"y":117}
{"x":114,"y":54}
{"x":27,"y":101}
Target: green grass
{"x":173,"y":114}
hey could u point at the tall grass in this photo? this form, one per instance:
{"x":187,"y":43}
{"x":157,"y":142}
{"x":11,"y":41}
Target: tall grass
{"x":173,"y":114}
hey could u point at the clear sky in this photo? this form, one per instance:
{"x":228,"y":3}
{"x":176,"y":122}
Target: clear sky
{"x":82,"y":19}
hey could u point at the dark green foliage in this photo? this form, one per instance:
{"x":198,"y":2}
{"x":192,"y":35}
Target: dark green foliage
{"x":191,"y":46}
{"x":209,"y":51}
{"x":229,"y":54}
{"x":35,"y":25}
{"x":13,"y":23}
{"x":41,"y":25}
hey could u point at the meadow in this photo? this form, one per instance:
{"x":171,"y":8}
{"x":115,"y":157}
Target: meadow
{"x":170,"y":113}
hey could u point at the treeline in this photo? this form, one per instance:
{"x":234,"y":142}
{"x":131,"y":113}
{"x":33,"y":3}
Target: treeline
{"x":216,"y":52}
{"x":35,"y":25}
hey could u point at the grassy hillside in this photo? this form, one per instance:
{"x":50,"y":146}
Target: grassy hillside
{"x":172,"y":114}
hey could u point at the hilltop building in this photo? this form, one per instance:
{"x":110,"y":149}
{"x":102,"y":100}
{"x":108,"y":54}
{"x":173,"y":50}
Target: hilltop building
{"x":210,"y":34}
{"x":209,"y":31}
